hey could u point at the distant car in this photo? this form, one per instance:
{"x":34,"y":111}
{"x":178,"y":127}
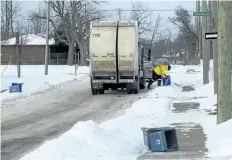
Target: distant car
{"x":148,"y":70}
{"x":150,"y":65}
{"x":161,"y":61}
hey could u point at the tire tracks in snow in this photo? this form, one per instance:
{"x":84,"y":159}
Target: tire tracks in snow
{"x":31,"y":121}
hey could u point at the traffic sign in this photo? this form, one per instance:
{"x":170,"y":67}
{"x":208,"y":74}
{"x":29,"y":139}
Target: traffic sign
{"x":211,"y":35}
{"x":202,"y":14}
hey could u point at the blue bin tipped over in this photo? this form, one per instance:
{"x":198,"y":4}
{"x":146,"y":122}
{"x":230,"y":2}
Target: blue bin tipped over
{"x":18,"y":84}
{"x":160,"y":139}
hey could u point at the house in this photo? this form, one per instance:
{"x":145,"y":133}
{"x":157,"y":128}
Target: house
{"x":32,"y":49}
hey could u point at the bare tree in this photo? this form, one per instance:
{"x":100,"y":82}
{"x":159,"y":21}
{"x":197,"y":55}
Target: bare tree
{"x":23,"y":27}
{"x":119,"y":14}
{"x":177,"y":46}
{"x":156,"y":29}
{"x":141,"y":13}
{"x":155,"y":33}
{"x":160,"y":46}
{"x":169,"y":42}
{"x":187,"y":30}
{"x":86,"y":13}
{"x":37,"y":25}
{"x":79,"y":13}
{"x":10,"y":11}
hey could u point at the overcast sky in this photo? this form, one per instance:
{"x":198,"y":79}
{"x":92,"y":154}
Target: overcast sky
{"x":153,"y":5}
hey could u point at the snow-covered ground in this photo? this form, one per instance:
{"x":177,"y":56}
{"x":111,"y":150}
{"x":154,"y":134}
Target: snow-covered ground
{"x":34,"y":80}
{"x":122,"y":139}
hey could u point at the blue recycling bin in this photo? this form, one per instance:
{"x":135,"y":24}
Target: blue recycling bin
{"x":18,"y":84}
{"x":167,"y":80}
{"x":160,"y":139}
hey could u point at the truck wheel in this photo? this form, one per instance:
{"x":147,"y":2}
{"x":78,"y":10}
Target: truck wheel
{"x":136,"y":87}
{"x":101,"y":91}
{"x":141,"y":86}
{"x":136,"y":91}
{"x":129,"y":89}
{"x":159,"y":82}
{"x":94,"y":92}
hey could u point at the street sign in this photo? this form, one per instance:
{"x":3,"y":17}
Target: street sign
{"x":211,"y":35}
{"x":202,"y":14}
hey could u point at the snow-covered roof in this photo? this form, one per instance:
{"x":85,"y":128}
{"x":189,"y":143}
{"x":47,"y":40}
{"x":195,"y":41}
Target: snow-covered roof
{"x":29,"y":39}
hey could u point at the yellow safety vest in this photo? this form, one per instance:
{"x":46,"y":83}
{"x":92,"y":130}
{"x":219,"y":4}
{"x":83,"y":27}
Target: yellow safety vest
{"x":161,"y":70}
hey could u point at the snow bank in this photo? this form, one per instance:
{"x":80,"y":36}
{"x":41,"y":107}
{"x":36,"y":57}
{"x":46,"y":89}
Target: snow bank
{"x":209,"y":100}
{"x":187,"y":75}
{"x":122,"y":139}
{"x":204,"y":94}
{"x":110,"y":140}
{"x":210,"y":62}
{"x":34,"y":80}
{"x":85,"y":141}
{"x":205,"y":90}
{"x":219,"y":138}
{"x":209,"y":103}
{"x":167,"y":91}
{"x":119,"y":138}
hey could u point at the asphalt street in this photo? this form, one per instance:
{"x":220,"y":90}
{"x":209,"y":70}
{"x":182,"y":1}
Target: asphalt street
{"x":28,"y":122}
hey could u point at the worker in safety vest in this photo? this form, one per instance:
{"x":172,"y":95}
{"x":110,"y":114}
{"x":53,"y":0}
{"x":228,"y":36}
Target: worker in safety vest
{"x":159,"y":72}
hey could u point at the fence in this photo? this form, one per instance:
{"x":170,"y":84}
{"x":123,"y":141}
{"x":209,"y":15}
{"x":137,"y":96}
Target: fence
{"x":29,"y":54}
{"x":62,"y":58}
{"x":54,"y":59}
{"x":58,"y":58}
{"x":24,"y":61}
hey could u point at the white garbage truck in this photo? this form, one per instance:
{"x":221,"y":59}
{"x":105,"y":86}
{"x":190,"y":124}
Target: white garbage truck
{"x":116,"y":58}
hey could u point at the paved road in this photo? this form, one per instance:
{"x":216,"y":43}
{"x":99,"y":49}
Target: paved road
{"x":27,"y":123}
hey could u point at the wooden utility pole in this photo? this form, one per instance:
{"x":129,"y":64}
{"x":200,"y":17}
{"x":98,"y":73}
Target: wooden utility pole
{"x":199,"y":30}
{"x":205,"y":54}
{"x":47,"y":39}
{"x":215,"y":45}
{"x":73,"y":26}
{"x":18,"y":55}
{"x":225,"y":61}
{"x":209,"y":28}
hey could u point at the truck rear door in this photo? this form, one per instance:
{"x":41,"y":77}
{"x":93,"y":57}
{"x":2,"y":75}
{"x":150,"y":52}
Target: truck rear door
{"x":127,"y":44}
{"x":102,"y":49}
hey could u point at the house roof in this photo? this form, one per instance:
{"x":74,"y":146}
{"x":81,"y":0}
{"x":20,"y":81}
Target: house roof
{"x":29,"y":39}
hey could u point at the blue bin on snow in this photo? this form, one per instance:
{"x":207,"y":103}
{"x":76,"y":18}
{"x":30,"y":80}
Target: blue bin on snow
{"x":18,"y":84}
{"x":160,"y":139}
{"x":167,"y":81}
